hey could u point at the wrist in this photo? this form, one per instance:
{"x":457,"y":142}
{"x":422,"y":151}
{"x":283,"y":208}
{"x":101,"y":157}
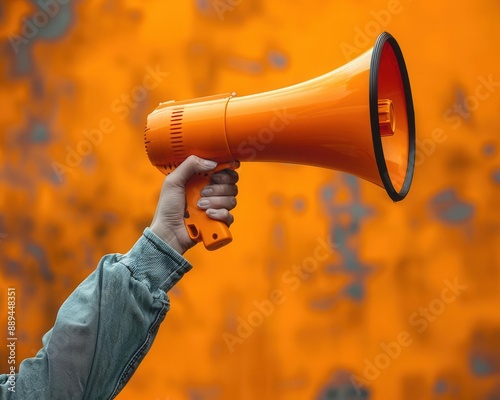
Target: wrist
{"x":168,"y":236}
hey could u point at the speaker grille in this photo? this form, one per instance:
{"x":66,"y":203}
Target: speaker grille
{"x":146,"y":141}
{"x":176,"y":135}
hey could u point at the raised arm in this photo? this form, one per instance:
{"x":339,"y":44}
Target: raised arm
{"x":107,"y":325}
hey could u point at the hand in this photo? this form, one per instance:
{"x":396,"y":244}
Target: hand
{"x":217,"y":199}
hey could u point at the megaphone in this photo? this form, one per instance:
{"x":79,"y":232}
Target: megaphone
{"x":357,"y":119}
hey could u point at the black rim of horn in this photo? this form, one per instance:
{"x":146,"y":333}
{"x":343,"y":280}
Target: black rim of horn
{"x":384,"y":38}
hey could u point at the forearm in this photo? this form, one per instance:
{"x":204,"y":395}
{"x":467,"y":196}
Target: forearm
{"x":105,"y":328}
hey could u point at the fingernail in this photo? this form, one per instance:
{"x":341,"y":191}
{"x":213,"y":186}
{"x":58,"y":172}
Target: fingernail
{"x":211,"y":212}
{"x":210,"y":164}
{"x":203,"y":203}
{"x":207,"y":192}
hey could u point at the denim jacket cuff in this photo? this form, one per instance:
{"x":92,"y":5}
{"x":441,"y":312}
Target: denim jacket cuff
{"x":155,"y":263}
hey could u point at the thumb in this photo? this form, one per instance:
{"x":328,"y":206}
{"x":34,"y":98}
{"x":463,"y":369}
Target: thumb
{"x":190,"y":166}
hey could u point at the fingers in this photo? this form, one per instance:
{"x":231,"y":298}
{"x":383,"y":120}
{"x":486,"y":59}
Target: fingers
{"x":219,"y":190}
{"x":227,"y":202}
{"x":190,"y":166}
{"x":220,"y":196}
{"x":227,"y":176}
{"x":221,"y":215}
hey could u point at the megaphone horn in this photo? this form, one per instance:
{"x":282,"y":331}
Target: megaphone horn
{"x":357,"y":119}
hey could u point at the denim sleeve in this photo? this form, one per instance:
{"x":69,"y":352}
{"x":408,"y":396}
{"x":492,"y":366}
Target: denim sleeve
{"x":105,"y":327}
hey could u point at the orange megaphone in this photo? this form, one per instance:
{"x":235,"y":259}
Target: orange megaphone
{"x":358,"y":119}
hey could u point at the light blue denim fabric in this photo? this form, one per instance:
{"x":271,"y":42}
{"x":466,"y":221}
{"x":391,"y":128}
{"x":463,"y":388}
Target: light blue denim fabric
{"x":104,"y":329}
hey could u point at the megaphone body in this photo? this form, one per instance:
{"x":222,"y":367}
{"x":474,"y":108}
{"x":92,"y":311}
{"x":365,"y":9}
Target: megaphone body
{"x":357,"y":119}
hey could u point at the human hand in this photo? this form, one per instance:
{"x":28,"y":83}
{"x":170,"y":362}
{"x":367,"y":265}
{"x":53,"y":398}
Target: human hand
{"x":217,"y":199}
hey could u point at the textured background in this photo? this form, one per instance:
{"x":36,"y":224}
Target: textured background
{"x":374,"y":317}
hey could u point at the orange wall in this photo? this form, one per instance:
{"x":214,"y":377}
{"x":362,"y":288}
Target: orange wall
{"x":384,"y":279}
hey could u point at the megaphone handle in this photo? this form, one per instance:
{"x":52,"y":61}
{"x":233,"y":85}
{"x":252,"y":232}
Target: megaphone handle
{"x":214,"y":234}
